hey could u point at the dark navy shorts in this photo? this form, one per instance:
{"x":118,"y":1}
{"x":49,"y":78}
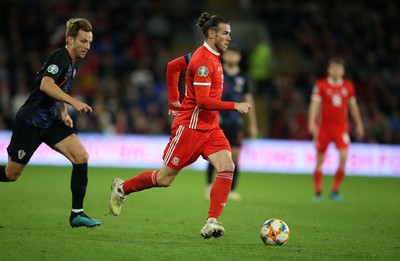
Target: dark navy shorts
{"x":26,"y":139}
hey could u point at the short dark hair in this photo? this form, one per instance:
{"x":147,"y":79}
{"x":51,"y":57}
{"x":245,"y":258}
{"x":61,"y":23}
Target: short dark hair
{"x":76,"y":24}
{"x":336,"y":60}
{"x":207,"y":21}
{"x":234,"y":48}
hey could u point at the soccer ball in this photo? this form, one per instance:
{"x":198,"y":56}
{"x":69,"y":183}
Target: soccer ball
{"x":275,"y":232}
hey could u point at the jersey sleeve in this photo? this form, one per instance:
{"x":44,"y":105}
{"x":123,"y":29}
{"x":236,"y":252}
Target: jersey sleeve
{"x":352,"y":95}
{"x":316,"y":92}
{"x":56,"y":65}
{"x":174,"y":69}
{"x":202,"y":81}
{"x":204,"y":101}
{"x":202,"y":73}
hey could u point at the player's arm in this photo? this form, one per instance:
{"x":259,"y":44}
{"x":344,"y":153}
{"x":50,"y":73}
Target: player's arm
{"x":314,"y":108}
{"x":174,"y":69}
{"x":205,"y":102}
{"x":64,"y":115}
{"x":49,"y":87}
{"x":253,"y":126}
{"x":313,"y":111}
{"x":355,"y":113}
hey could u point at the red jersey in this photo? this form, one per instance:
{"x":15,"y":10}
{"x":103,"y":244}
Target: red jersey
{"x":204,"y":71}
{"x":334,"y":100}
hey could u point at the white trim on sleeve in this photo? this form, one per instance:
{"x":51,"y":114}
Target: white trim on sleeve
{"x":202,"y":83}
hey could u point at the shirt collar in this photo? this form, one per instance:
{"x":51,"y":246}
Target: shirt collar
{"x":331,"y":82}
{"x":211,"y":49}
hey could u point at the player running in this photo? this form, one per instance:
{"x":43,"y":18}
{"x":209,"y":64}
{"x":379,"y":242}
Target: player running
{"x":332,"y":95}
{"x":236,"y":88}
{"x":44,"y":118}
{"x":195,"y":131}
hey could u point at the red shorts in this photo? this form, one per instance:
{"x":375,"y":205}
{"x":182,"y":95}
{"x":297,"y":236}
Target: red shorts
{"x":186,"y":145}
{"x":325,"y":136}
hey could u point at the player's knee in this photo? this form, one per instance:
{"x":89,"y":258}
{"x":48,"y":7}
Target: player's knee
{"x":80,"y":158}
{"x":13,"y":175}
{"x":165,"y":182}
{"x":227,"y":166}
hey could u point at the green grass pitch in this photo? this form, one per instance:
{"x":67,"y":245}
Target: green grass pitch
{"x":164,"y":223}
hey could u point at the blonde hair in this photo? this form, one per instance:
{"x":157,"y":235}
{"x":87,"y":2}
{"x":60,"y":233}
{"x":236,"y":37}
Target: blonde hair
{"x":76,"y":24}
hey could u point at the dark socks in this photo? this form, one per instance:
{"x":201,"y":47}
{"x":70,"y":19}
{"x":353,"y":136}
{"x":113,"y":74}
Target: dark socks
{"x":79,"y":182}
{"x":235,"y":178}
{"x":210,"y":172}
{"x":3,"y":177}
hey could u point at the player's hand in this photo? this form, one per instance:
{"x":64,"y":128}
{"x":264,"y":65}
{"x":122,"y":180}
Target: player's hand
{"x":174,"y":108}
{"x":242,"y":107}
{"x":81,"y":107}
{"x":68,"y":121}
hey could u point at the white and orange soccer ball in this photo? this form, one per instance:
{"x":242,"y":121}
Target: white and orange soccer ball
{"x":275,"y":232}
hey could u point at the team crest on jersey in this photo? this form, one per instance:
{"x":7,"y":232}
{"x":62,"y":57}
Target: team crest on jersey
{"x":53,"y":69}
{"x":175,"y":161}
{"x":344,"y":91}
{"x":203,"y":71}
{"x":21,"y":154}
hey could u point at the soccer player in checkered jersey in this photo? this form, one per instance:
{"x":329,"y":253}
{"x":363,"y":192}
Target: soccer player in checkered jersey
{"x":44,"y":118}
{"x":195,"y":131}
{"x":330,"y":100}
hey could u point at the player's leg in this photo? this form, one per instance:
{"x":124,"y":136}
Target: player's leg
{"x":217,"y":150}
{"x":144,"y":180}
{"x":24,"y":142}
{"x":209,"y":179}
{"x":12,"y":171}
{"x":234,"y":195}
{"x":72,"y":148}
{"x":321,"y":141}
{"x":318,"y":176}
{"x":342,"y":141}
{"x":224,"y":165}
{"x":176,"y":156}
{"x":233,"y":132}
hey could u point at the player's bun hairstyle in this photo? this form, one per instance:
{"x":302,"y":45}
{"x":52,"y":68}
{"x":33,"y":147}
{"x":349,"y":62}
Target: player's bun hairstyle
{"x":76,"y":24}
{"x":207,"y":21}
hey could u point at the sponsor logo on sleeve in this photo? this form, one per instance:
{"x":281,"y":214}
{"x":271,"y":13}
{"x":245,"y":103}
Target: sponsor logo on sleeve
{"x":202,"y":71}
{"x":52,"y":68}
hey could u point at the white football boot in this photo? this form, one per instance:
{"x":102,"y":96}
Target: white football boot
{"x":117,"y":196}
{"x":212,"y":228}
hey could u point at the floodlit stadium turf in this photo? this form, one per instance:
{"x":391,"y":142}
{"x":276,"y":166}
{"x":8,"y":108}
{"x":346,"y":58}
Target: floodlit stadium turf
{"x":164,"y":224}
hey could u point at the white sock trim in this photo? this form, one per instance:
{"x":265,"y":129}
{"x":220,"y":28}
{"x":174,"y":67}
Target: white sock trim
{"x":77,"y":210}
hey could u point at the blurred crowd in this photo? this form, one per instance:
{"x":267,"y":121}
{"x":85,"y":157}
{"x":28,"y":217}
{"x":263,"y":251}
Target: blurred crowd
{"x":123,"y":76}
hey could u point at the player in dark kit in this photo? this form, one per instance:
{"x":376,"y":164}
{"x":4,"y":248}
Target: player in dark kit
{"x":44,"y":118}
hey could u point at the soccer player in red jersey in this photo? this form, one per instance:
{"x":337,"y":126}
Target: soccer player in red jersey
{"x":330,"y":99}
{"x":237,"y":88}
{"x":195,"y":131}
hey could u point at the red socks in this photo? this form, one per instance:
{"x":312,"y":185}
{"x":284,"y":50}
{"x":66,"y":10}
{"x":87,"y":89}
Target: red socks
{"x":146,"y":179}
{"x":318,"y":181}
{"x":219,"y":193}
{"x":338,"y":180}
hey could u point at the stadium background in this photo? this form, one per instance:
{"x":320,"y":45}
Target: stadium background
{"x":285,"y":45}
